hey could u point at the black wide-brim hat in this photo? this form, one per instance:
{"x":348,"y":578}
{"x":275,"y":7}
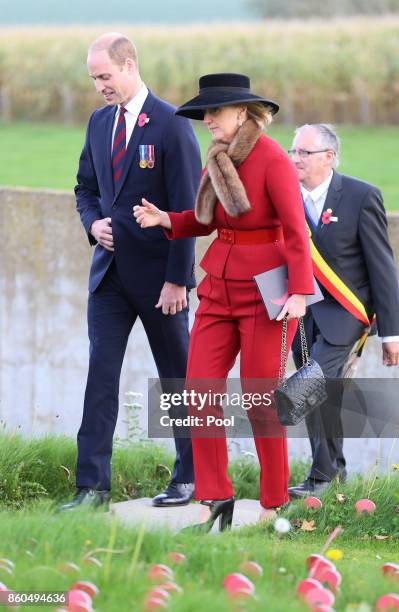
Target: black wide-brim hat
{"x":222,"y":89}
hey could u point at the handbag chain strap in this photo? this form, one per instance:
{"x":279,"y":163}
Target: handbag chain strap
{"x":283,"y":355}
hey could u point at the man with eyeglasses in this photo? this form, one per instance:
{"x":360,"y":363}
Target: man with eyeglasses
{"x":355,"y":267}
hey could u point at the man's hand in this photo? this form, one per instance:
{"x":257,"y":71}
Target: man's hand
{"x":294,"y":307}
{"x":173,"y":298}
{"x":102,"y":232}
{"x":390,"y":353}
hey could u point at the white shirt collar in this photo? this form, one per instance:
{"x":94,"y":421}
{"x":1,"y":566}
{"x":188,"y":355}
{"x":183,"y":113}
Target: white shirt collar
{"x":135,"y":105}
{"x":133,"y":108}
{"x":319,"y":191}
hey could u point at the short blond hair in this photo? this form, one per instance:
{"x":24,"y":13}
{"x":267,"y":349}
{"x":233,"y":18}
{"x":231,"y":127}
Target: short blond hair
{"x":119,"y":48}
{"x":262,"y":114}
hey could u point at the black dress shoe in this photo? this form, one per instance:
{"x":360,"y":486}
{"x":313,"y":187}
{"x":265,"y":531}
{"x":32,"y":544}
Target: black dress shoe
{"x":309,"y":486}
{"x":220,"y":508}
{"x":175,"y":494}
{"x":86,"y":497}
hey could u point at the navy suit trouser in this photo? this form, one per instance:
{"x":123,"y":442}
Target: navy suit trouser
{"x":324,"y":424}
{"x":112,"y":312}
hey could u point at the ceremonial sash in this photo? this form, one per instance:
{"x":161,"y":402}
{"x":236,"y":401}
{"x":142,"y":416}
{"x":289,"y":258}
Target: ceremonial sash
{"x":350,"y":367}
{"x":328,"y":274}
{"x":361,"y":343}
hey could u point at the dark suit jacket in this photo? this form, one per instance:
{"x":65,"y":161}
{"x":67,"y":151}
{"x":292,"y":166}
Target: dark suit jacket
{"x":145,"y":259}
{"x":358,"y":242}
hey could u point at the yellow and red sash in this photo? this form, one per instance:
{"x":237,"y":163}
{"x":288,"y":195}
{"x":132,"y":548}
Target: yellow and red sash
{"x":340,"y":290}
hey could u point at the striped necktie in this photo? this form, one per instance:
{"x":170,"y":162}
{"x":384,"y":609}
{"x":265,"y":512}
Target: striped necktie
{"x":119,"y":146}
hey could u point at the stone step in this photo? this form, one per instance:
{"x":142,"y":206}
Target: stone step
{"x":137,"y":511}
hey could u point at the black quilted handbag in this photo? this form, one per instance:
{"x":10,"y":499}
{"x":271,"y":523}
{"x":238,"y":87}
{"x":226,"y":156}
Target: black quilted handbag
{"x":298,"y":395}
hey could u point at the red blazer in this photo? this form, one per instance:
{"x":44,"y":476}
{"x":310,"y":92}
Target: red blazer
{"x":272,"y":188}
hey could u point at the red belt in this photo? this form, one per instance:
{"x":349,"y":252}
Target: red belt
{"x":260,"y":236}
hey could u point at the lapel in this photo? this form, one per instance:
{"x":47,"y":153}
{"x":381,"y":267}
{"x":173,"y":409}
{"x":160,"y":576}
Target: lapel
{"x":135,"y":140}
{"x":109,"y":124}
{"x":333,"y":199}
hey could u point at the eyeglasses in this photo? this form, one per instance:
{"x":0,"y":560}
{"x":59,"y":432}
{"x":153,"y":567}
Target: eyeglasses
{"x":304,"y":153}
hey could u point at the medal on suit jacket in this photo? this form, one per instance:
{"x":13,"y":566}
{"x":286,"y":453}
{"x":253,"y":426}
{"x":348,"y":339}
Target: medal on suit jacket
{"x":143,"y":156}
{"x":147,"y":156}
{"x":151,"y":156}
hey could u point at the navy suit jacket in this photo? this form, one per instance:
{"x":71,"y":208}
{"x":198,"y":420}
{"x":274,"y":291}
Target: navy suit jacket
{"x":145,"y":259}
{"x":358,"y":242}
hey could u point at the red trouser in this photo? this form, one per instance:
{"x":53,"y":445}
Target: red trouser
{"x":231,"y":318}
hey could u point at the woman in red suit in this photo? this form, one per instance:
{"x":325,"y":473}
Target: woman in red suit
{"x":249,"y":193}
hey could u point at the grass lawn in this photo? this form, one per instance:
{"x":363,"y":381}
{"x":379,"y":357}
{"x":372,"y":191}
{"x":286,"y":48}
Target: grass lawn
{"x":41,"y":543}
{"x":35,"y":474}
{"x":42,"y":155}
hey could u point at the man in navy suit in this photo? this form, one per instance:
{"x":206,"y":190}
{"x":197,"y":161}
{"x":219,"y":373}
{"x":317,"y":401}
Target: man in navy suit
{"x":348,"y":223}
{"x":135,"y":147}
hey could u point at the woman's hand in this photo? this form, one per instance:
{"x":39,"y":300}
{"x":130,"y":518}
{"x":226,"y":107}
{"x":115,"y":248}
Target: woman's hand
{"x":295,"y":307}
{"x":149,"y":215}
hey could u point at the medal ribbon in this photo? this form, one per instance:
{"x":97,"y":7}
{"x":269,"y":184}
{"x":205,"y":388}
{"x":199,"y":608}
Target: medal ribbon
{"x":151,"y":156}
{"x":143,"y":156}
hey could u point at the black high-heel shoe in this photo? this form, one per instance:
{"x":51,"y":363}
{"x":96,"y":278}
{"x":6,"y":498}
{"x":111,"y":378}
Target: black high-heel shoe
{"x":222,"y":508}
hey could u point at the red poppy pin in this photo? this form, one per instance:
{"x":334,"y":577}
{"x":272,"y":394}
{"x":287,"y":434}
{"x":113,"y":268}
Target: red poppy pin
{"x":143,"y":119}
{"x":327,"y":217}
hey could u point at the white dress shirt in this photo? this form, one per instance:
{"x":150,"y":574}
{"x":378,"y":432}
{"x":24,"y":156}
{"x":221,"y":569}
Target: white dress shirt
{"x":319,"y":195}
{"x":133,"y":108}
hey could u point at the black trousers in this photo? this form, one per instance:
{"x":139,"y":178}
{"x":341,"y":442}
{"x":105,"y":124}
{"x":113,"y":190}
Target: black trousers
{"x":112,"y":312}
{"x":324,"y":424}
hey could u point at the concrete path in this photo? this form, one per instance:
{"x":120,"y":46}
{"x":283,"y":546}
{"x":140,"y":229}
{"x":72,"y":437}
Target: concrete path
{"x":134,"y":512}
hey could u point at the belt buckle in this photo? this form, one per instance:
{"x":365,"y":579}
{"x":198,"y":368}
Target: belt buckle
{"x":227,"y":235}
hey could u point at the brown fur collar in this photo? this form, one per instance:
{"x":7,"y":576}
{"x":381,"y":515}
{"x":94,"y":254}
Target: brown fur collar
{"x":220,"y":180}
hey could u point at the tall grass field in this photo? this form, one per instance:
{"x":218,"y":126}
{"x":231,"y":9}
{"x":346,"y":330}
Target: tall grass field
{"x":344,"y":71}
{"x":46,"y":155}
